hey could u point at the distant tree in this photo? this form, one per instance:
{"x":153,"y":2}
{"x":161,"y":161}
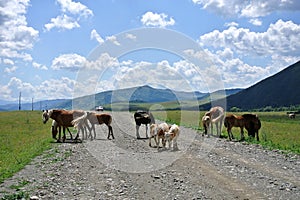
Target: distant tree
{"x":235,"y":109}
{"x":268,"y":109}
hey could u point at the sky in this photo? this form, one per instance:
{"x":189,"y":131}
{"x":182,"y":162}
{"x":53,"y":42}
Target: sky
{"x":55,"y":49}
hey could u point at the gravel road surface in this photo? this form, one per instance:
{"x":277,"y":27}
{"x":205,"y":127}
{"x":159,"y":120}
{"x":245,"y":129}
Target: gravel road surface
{"x":127,"y":168}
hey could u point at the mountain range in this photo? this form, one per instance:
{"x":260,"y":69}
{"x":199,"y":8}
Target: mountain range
{"x":281,"y":89}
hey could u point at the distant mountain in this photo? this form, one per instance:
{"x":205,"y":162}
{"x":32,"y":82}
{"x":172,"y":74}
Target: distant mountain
{"x":281,"y":89}
{"x":40,"y":105}
{"x":142,"y":94}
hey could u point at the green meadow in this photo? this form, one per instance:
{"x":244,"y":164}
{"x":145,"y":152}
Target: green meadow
{"x":23,"y":136}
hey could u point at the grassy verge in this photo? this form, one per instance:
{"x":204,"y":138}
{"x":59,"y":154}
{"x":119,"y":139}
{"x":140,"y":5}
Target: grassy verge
{"x":277,"y":132}
{"x":23,"y":136}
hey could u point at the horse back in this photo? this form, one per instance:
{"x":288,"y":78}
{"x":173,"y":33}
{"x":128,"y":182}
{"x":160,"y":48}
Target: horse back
{"x":104,"y":118}
{"x":143,"y":117}
{"x":65,"y":117}
{"x":252,"y":122}
{"x":234,"y":120}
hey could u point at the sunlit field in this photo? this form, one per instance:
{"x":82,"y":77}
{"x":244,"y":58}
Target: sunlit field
{"x":277,"y":132}
{"x":22,"y":137}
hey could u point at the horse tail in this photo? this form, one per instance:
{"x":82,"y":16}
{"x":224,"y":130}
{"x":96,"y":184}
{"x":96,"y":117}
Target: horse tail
{"x":79,"y":120}
{"x":220,"y":117}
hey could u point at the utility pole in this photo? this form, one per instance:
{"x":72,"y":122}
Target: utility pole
{"x":20,"y":95}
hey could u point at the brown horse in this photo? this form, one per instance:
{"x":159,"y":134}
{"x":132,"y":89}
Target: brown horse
{"x":252,"y":125}
{"x":250,"y":122}
{"x":63,"y":118}
{"x":94,"y":119}
{"x":216,"y":116}
{"x":234,"y":121}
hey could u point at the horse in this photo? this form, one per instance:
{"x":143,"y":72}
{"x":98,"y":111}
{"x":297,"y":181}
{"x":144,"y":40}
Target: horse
{"x":143,"y":117}
{"x":63,"y":118}
{"x":250,"y":122}
{"x":216,"y":116}
{"x":54,"y":130}
{"x":172,"y":135}
{"x":160,"y":134}
{"x":234,"y":121}
{"x":252,"y":125}
{"x":205,"y":124}
{"x":292,"y":115}
{"x":153,"y":133}
{"x":94,"y":119}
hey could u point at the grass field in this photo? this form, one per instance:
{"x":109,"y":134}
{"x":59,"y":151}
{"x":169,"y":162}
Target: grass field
{"x":277,"y":131}
{"x":22,"y":137}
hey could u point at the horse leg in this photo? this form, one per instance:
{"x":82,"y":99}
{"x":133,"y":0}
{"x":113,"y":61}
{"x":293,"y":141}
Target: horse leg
{"x":229,"y":133}
{"x":211,"y":129}
{"x":219,"y":126}
{"x":257,"y":137}
{"x":137,"y":131}
{"x":64,"y":132}
{"x":110,"y":132}
{"x":70,"y":133}
{"x":242,"y":134}
{"x":146,"y":131}
{"x":59,"y":134}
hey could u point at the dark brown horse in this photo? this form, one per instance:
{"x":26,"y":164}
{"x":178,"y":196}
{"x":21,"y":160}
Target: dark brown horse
{"x":250,"y":122}
{"x":143,"y":117}
{"x":252,"y":125}
{"x":63,"y":118}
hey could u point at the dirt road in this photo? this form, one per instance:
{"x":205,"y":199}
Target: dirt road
{"x":127,"y":168}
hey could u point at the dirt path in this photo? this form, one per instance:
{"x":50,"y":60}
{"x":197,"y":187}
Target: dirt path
{"x":127,"y":168}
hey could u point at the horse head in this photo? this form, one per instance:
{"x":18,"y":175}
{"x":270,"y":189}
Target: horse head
{"x":45,"y":116}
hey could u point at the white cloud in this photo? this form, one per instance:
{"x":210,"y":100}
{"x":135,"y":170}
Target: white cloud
{"x":72,"y":12}
{"x":8,"y":61}
{"x":95,"y":35}
{"x":113,"y":39}
{"x":55,"y":88}
{"x":39,"y":66}
{"x":75,"y":8}
{"x":256,"y":22}
{"x":14,"y":87}
{"x":157,"y":20}
{"x":281,"y":38}
{"x":72,"y":62}
{"x":10,"y":70}
{"x":227,"y":49}
{"x":249,"y":9}
{"x":48,"y":89}
{"x":131,"y":36}
{"x":62,"y":22}
{"x":16,"y":35}
{"x":231,"y":24}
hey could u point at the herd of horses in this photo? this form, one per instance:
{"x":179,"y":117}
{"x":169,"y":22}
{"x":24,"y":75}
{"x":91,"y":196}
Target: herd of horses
{"x":85,"y":121}
{"x":216,"y":115}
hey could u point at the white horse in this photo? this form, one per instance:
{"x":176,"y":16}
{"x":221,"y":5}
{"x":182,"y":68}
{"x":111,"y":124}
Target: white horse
{"x":172,"y":135}
{"x":216,"y":116}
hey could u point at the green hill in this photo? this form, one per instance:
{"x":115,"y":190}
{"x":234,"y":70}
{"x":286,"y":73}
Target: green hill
{"x":281,"y":89}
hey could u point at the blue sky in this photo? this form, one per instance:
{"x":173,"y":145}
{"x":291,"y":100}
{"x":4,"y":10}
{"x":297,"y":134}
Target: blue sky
{"x":46,"y":46}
